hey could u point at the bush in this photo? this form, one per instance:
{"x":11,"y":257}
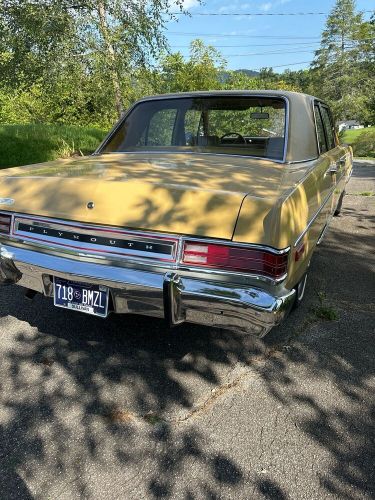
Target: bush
{"x":364,"y":144}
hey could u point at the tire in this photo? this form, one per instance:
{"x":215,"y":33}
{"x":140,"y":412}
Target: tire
{"x":339,"y":204}
{"x":300,"y":291}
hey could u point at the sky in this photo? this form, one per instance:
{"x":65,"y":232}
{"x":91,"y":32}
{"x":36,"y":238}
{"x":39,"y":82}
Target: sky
{"x":253,"y":41}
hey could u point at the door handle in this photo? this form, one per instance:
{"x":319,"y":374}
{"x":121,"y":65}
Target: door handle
{"x":332,"y":169}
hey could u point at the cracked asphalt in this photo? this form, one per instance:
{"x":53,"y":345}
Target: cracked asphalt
{"x":124,"y":409}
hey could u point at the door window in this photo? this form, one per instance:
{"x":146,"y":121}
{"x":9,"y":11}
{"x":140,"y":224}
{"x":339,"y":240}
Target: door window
{"x":328,"y":127}
{"x":160,"y":129}
{"x":320,"y":130}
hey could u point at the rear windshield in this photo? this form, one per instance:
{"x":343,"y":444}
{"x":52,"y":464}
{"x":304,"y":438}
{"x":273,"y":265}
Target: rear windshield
{"x":250,"y":126}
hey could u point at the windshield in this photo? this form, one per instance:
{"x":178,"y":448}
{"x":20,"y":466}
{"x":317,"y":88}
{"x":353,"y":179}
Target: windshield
{"x":251,"y":126}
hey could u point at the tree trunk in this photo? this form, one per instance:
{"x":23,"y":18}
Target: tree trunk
{"x":111,"y":58}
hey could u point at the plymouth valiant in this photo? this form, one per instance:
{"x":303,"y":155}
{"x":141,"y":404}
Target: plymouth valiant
{"x":203,"y":207}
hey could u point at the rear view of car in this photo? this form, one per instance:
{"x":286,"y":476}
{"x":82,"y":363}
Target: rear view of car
{"x":200,"y":207}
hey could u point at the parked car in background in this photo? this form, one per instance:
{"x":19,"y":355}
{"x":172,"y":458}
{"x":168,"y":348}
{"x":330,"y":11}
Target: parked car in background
{"x":203,"y":207}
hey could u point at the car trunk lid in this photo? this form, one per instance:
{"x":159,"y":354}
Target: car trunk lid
{"x":175,"y":193}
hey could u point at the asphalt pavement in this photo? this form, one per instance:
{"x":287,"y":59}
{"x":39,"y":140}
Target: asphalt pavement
{"x":125,"y":409}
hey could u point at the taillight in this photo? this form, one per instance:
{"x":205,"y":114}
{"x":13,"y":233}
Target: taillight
{"x":235,"y":258}
{"x":5,"y":223}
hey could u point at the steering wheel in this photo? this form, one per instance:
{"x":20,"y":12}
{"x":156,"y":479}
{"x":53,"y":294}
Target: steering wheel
{"x":239,"y":137}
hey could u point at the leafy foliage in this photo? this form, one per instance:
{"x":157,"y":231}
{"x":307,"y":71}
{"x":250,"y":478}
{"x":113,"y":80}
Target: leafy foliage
{"x":84,"y":62}
{"x":344,"y":63}
{"x":200,"y":72}
{"x":364,"y":144}
{"x":361,"y":140}
{"x":60,"y":44}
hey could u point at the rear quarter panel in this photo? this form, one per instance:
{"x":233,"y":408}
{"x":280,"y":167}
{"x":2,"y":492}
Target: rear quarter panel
{"x":280,"y":223}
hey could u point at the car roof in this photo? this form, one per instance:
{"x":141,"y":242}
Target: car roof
{"x":220,"y":93}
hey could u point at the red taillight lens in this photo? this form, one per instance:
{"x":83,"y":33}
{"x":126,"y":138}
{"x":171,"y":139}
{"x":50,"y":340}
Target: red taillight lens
{"x":5,"y":223}
{"x":235,"y":258}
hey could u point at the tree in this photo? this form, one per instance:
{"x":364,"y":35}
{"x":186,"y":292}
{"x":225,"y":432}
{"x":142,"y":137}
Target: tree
{"x":338,"y":74}
{"x":300,"y":80}
{"x":367,"y":65}
{"x":115,"y":37}
{"x":200,"y":72}
{"x":34,"y":39}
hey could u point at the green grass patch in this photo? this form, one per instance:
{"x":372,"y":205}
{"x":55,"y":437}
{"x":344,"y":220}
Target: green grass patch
{"x":323,"y":310}
{"x":350,"y":136}
{"x":363,"y":193}
{"x":362,"y":141}
{"x":35,"y":143}
{"x":153,"y":418}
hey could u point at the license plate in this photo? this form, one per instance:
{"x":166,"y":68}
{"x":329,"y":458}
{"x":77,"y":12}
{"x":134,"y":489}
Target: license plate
{"x":84,"y":297}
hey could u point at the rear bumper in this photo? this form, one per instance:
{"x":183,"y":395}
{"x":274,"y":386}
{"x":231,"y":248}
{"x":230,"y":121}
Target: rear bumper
{"x":170,"y":295}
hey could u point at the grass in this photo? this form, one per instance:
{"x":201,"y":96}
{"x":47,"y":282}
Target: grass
{"x":362,"y":140}
{"x":350,"y":136}
{"x":34,"y":143}
{"x":323,"y":310}
{"x":363,"y":193}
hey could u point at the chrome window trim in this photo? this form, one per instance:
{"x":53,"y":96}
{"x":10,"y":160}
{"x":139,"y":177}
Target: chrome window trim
{"x":303,"y":161}
{"x":286,"y":128}
{"x":112,"y":132}
{"x":316,"y":129}
{"x":195,"y":153}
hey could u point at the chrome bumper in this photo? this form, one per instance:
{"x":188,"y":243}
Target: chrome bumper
{"x":170,"y":295}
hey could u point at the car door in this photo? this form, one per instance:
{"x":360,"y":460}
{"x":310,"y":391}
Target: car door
{"x":323,"y":177}
{"x":337,"y":155}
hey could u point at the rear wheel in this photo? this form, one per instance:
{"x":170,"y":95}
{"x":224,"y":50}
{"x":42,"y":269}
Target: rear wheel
{"x":339,"y":204}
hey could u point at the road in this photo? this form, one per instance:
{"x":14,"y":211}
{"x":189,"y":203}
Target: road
{"x":125,"y":409}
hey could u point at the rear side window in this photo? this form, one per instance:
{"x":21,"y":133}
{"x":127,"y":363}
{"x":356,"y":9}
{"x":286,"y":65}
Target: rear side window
{"x":328,"y":125}
{"x":160,"y":129}
{"x":320,"y":130}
